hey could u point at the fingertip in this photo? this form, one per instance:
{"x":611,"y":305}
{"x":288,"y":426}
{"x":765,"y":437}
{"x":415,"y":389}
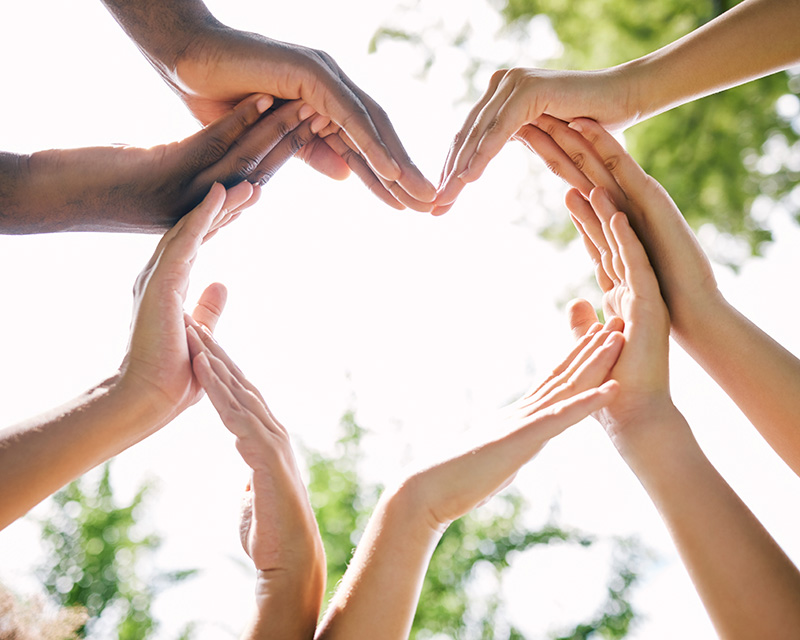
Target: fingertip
{"x":263,"y":103}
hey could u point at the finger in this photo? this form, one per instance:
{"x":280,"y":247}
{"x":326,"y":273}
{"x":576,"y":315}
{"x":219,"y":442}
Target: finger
{"x":322,"y":158}
{"x":236,"y":418}
{"x":605,"y":210}
{"x":282,"y":151}
{"x":362,"y":170}
{"x":230,"y":216}
{"x":411,"y":181}
{"x":554,"y":157}
{"x":245,"y":395}
{"x":505,"y":114}
{"x":246,"y":153}
{"x":588,"y":338}
{"x":176,"y":254}
{"x":212,"y":143}
{"x":569,"y":379}
{"x":210,"y":306}
{"x":234,"y":198}
{"x":592,"y":230}
{"x":469,"y":135}
{"x":368,"y":126}
{"x":461,"y":137}
{"x":618,"y":162}
{"x":582,"y":155}
{"x":639,"y":272}
{"x":554,"y":419}
{"x":211,"y":345}
{"x":581,"y":317}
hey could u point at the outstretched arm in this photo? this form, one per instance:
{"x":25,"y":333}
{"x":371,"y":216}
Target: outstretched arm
{"x":278,"y":529}
{"x":761,"y":377}
{"x":378,"y":594}
{"x":747,"y":584}
{"x":212,"y":67}
{"x":147,"y":190}
{"x":152,"y":386}
{"x":751,"y":40}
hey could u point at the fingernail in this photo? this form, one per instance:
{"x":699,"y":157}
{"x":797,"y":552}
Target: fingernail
{"x":208,"y":333}
{"x":306,"y":111}
{"x":263,"y":103}
{"x":576,"y":126}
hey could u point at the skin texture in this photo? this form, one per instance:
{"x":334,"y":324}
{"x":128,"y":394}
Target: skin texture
{"x":278,"y":528}
{"x":759,"y":375}
{"x":147,"y":190}
{"x":378,"y":595}
{"x":153,"y":384}
{"x":725,"y":52}
{"x":747,"y":584}
{"x":212,"y":67}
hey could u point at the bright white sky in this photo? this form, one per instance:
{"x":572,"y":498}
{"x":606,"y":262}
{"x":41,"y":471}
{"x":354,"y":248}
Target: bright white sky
{"x":423,"y":324}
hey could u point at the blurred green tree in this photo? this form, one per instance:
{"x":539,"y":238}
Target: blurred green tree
{"x":708,"y":153}
{"x":477,"y":547}
{"x":95,"y":554}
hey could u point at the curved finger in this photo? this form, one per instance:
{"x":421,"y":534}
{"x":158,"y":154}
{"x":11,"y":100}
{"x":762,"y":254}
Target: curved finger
{"x":362,"y":170}
{"x":318,"y":155}
{"x":590,"y":226}
{"x":584,"y":157}
{"x":461,"y":136}
{"x":277,"y":157}
{"x":482,"y":115}
{"x":554,"y":157}
{"x":212,"y":143}
{"x":627,"y":173}
{"x":244,"y":156}
{"x":417,"y":187}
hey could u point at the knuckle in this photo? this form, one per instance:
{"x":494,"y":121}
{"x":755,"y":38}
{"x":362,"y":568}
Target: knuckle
{"x":578,"y":159}
{"x":612,"y":163}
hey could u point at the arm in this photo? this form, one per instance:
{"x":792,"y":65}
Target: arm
{"x":379,"y":592}
{"x":751,"y":40}
{"x":212,"y":66}
{"x":278,"y":529}
{"x":761,"y":377}
{"x":152,"y":386}
{"x":146,"y":190}
{"x":747,"y":584}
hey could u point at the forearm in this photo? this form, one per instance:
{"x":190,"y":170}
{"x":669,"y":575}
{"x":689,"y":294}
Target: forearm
{"x":759,"y":375}
{"x":378,"y":595}
{"x":161,"y":30}
{"x":89,"y":189}
{"x":40,"y":456}
{"x":751,"y":40}
{"x":287,"y":604}
{"x":747,"y":584}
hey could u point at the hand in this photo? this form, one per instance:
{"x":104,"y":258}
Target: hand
{"x":575,"y":389}
{"x":126,"y":187}
{"x":278,"y":528}
{"x":514,"y":99}
{"x":586,"y":156}
{"x":631,"y":293}
{"x":221,"y":65}
{"x":157,"y":361}
{"x":278,"y":524}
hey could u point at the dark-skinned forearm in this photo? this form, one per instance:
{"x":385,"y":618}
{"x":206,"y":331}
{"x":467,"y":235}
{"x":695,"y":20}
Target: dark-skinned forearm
{"x":161,"y":29}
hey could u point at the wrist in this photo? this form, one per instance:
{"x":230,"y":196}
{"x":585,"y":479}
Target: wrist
{"x":642,"y":94}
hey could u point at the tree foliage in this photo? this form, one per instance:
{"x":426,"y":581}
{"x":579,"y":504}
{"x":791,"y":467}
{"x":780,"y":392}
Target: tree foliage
{"x":478,"y":547}
{"x":96,"y":554}
{"x":708,"y":153}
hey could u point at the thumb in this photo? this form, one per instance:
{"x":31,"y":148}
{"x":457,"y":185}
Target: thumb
{"x":582,"y":316}
{"x":209,"y":307}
